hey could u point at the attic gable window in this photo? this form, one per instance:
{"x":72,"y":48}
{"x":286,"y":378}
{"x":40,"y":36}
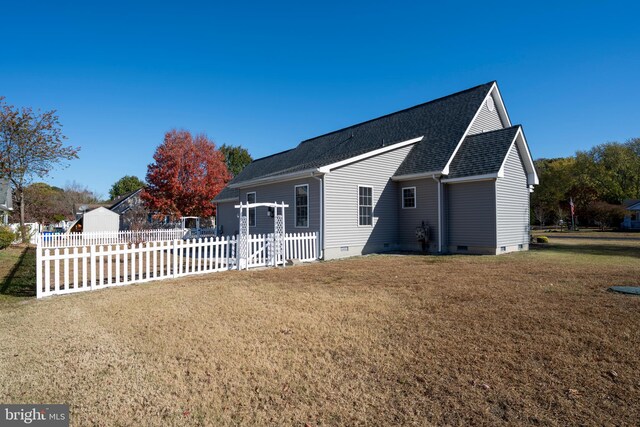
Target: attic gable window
{"x":409,"y":198}
{"x":365,"y":206}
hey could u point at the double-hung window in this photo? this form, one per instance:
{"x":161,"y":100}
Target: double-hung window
{"x":251,"y":198}
{"x":365,"y":206}
{"x":302,"y":205}
{"x":408,"y":197}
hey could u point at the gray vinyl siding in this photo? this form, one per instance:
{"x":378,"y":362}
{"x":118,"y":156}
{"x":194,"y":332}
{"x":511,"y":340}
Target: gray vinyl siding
{"x":426,"y":210}
{"x":513,"y":202}
{"x":471,"y":214}
{"x":227,"y":218}
{"x":341,"y":204}
{"x":486,"y":120}
{"x":284,"y":192}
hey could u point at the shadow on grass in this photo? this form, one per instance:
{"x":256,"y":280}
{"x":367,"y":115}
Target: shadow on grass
{"x":21,"y":280}
{"x":605,"y":250}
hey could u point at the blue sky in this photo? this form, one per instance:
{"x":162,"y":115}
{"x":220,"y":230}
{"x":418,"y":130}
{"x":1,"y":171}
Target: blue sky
{"x":268,"y":75}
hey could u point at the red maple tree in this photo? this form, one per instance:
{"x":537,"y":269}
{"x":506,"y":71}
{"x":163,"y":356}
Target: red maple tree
{"x":187,"y":173}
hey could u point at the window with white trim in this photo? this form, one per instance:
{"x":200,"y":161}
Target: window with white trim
{"x":301,"y":210}
{"x":251,"y":198}
{"x":408,"y":197}
{"x":365,"y":206}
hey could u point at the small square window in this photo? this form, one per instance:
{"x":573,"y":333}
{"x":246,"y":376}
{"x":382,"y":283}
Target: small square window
{"x":408,"y":197}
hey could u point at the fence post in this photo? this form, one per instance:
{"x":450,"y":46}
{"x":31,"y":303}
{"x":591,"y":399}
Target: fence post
{"x":231,"y":253}
{"x":39,"y":270}
{"x":92,"y":261}
{"x":174,"y":273}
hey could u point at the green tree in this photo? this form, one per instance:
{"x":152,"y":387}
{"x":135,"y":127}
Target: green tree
{"x":43,"y":203}
{"x":124,"y":185}
{"x":236,"y":158}
{"x":611,"y":169}
{"x":31,"y":145}
{"x":557,"y":182}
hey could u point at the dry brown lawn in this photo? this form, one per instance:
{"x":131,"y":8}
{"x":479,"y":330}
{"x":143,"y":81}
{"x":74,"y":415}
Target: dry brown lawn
{"x":521,"y":339}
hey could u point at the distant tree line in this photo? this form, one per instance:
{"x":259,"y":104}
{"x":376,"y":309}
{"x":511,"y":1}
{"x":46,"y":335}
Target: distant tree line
{"x":45,"y":203}
{"x":598,"y":181}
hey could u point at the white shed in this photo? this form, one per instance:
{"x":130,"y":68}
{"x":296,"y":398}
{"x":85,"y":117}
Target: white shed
{"x":99,"y":219}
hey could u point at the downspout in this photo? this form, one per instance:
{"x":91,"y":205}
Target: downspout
{"x":439,"y":212}
{"x":321,"y":228}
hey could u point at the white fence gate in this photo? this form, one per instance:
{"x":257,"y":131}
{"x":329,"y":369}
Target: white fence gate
{"x":77,"y":267}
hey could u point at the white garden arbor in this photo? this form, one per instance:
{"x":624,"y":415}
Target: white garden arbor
{"x":251,"y":249}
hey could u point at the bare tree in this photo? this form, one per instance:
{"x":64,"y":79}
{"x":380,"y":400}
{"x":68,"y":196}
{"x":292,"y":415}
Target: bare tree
{"x":541,"y":214}
{"x":30,"y":146}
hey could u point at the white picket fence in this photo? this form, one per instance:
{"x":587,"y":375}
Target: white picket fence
{"x":301,"y":246}
{"x":298,"y":246}
{"x":70,"y":240}
{"x":72,"y":269}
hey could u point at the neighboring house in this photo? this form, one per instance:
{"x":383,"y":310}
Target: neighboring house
{"x":632,"y":219}
{"x":129,"y":207}
{"x":134,"y":214}
{"x":456,"y":165}
{"x":6,"y":200}
{"x":98,"y":219}
{"x":126,"y":202}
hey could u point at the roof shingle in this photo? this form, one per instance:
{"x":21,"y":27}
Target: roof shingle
{"x":483,"y":153}
{"x":442,"y":122}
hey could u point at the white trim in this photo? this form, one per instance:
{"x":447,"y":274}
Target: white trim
{"x":438,"y":180}
{"x":520,"y":140}
{"x":278,"y":178}
{"x":358,"y":204}
{"x":633,"y":207}
{"x":502,"y":109}
{"x":495,"y":210}
{"x":251,"y":206}
{"x":503,"y":117}
{"x":328,"y":168}
{"x":413,"y":176}
{"x":295,"y":206}
{"x":415,"y":198}
{"x":484,"y":177}
{"x":321,"y":196}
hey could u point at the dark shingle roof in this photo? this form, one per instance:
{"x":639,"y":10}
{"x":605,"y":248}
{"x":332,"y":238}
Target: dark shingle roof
{"x":115,"y":202}
{"x":227,"y":193}
{"x":483,"y":153}
{"x":442,"y":122}
{"x":630,"y":202}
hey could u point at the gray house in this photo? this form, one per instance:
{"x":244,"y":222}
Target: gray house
{"x":632,"y":218}
{"x":6,"y":200}
{"x":452,"y":175}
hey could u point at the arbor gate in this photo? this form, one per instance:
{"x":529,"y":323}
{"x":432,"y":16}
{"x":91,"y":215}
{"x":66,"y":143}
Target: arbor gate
{"x":261,"y":250}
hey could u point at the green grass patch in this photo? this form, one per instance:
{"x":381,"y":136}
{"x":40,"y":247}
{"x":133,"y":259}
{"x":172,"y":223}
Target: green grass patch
{"x":17,"y":274}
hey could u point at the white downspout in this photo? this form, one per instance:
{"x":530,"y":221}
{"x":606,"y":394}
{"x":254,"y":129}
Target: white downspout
{"x":439,"y":212}
{"x":321,"y":231}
